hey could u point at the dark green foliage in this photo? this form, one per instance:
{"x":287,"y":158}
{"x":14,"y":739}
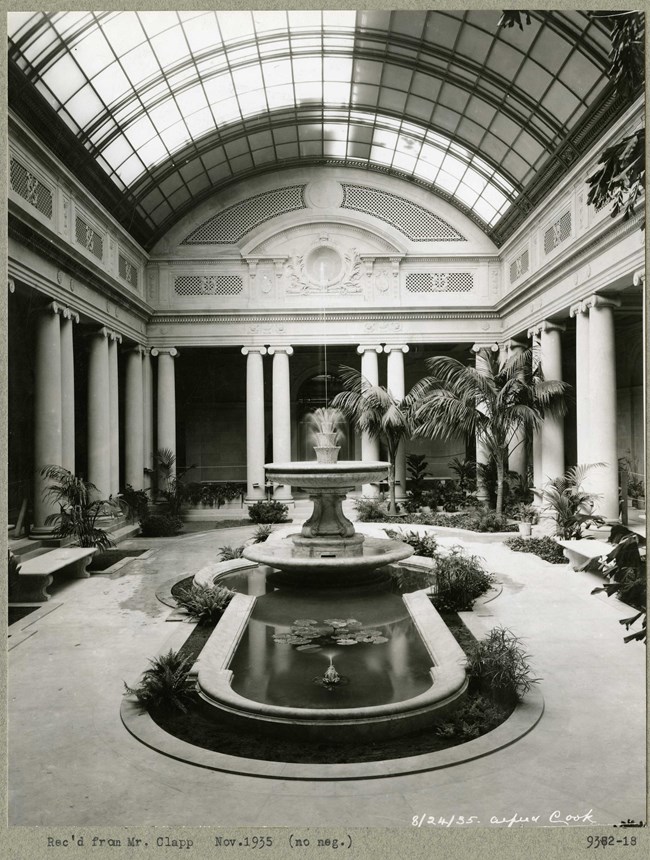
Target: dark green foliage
{"x":165,"y":685}
{"x":268,"y":512}
{"x":545,"y":547}
{"x":205,"y":603}
{"x":262,"y":533}
{"x":571,"y":505}
{"x":460,"y":578}
{"x":211,"y":494}
{"x":371,"y":511}
{"x":13,"y":568}
{"x":465,"y":470}
{"x":626,"y":56}
{"x":161,"y":525}
{"x":416,"y":465}
{"x":620,"y":177}
{"x":135,"y":502}
{"x":498,"y":667}
{"x":79,"y":508}
{"x":228,"y":553}
{"x":626,"y":571}
{"x":423,"y":544}
{"x":512,"y":18}
{"x":476,"y":716}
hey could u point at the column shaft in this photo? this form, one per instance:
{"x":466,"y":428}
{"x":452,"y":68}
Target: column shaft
{"x":552,"y":431}
{"x":255,"y":477}
{"x":602,"y":389}
{"x":583,"y":398}
{"x":114,"y":406}
{"x":47,"y":409}
{"x":166,"y":402}
{"x":281,"y":414}
{"x":369,"y":446}
{"x":99,"y":430}
{"x":397,"y":387}
{"x":147,"y":418}
{"x":134,"y":420}
{"x":67,"y":393}
{"x":517,"y":448}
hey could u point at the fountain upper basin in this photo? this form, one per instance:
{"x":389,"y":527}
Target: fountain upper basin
{"x":310,"y":474}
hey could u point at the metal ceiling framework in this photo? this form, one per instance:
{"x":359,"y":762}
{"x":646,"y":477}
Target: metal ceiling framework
{"x":171,"y":107}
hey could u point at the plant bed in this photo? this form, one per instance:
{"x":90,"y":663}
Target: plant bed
{"x":545,"y":548}
{"x":108,"y":557}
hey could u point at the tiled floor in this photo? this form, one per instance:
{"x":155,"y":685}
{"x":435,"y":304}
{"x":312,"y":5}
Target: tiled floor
{"x":73,"y":763}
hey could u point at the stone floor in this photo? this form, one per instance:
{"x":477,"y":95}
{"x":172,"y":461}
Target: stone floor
{"x":71,"y":762}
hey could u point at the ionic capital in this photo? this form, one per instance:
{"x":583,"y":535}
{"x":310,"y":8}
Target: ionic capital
{"x":369,"y":348}
{"x":287,"y":350}
{"x":492,"y":347}
{"x":578,"y":308}
{"x":548,"y":326}
{"x":106,"y":333}
{"x":534,"y":331}
{"x":12,"y":285}
{"x":164,"y":350}
{"x":597,"y":301}
{"x":246,"y":350}
{"x":638,"y":278}
{"x":396,"y":347}
{"x":135,"y":349}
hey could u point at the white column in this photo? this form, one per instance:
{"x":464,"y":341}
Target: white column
{"x":68,"y":319}
{"x":166,"y":423}
{"x":114,"y":406}
{"x":552,"y":428}
{"x":281,"y":414}
{"x":602,"y":388}
{"x":47,"y":409}
{"x":517,"y":447}
{"x":482,"y":455}
{"x":538,"y":474}
{"x":396,"y":387}
{"x":147,"y":418}
{"x":255,"y":477}
{"x":583,"y":398}
{"x":99,"y":430}
{"x":369,"y":447}
{"x":134,"y":420}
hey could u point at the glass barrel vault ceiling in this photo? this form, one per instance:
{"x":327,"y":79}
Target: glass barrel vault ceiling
{"x":173,"y":105}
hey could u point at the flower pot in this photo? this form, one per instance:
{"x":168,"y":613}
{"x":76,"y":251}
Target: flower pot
{"x":525,"y":529}
{"x":327,"y":453}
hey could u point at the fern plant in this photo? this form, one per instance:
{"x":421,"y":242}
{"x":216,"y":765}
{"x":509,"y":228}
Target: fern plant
{"x":79,"y":508}
{"x":228,"y":553}
{"x":498,"y":666}
{"x":205,"y":603}
{"x":165,"y":685}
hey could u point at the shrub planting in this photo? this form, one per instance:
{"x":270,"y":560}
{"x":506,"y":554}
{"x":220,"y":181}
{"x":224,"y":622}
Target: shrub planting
{"x":227,"y":553}
{"x":461,"y":579}
{"x":498,"y":667}
{"x":545,"y":547}
{"x":165,"y":685}
{"x":268,"y":512}
{"x":262,"y":533}
{"x":161,"y":525}
{"x":424,"y":544}
{"x":475,"y":717}
{"x":135,"y":503}
{"x":625,"y":570}
{"x":205,"y":603}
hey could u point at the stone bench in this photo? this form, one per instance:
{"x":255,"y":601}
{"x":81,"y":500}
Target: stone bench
{"x":580,"y":553}
{"x":35,"y":574}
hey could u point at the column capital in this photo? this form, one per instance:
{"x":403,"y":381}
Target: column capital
{"x":597,"y":301}
{"x":638,"y":278}
{"x":534,"y":331}
{"x":134,"y":348}
{"x":105,"y":333}
{"x":69,"y":314}
{"x":369,"y":348}
{"x":477,"y":347}
{"x":11,"y":284}
{"x":164,"y":350}
{"x":578,"y":308}
{"x":396,"y":347}
{"x":511,"y":345}
{"x":272,"y":350}
{"x":545,"y":326}
{"x":247,"y":350}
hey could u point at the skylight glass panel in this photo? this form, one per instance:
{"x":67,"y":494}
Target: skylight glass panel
{"x":307,"y":69}
{"x":169,"y":47}
{"x":235,"y":25}
{"x":404,"y":162}
{"x":174,"y":136}
{"x":165,"y":114}
{"x":140,"y":63}
{"x":304,"y":20}
{"x":93,"y":53}
{"x":338,"y":93}
{"x":64,"y":78}
{"x":247,"y":80}
{"x":153,"y":152}
{"x":202,"y":33}
{"x":279,"y":97}
{"x":309,"y":92}
{"x":269,"y":22}
{"x":226,"y":111}
{"x":277,"y":72}
{"x":447,"y":182}
{"x":140,"y":132}
{"x":219,"y":88}
{"x":192,"y":100}
{"x":123,"y":31}
{"x":252,"y":103}
{"x":85,"y":106}
{"x":117,"y":152}
{"x":130,"y":169}
{"x":484,"y":210}
{"x":466,"y":194}
{"x":156,"y":22}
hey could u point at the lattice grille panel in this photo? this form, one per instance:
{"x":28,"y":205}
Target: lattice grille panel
{"x":414,"y":221}
{"x":30,"y":188}
{"x":519,"y":267}
{"x":236,"y":221}
{"x":440,"y":282}
{"x":88,"y":238}
{"x":208,"y":285}
{"x":128,"y":271}
{"x":557,"y":233}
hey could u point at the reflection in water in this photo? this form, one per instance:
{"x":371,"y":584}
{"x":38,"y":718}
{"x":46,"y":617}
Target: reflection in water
{"x":389,"y":664}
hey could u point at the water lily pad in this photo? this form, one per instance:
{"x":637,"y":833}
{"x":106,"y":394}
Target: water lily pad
{"x":282,"y":639}
{"x":304,"y":622}
{"x":346,"y":642}
{"x":378,"y":640}
{"x":352,"y":622}
{"x":336,"y":622}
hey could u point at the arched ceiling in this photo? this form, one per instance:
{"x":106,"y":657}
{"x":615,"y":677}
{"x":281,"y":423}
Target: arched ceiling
{"x":174,"y":106}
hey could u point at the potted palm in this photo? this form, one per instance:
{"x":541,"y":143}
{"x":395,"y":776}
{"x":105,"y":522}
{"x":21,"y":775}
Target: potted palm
{"x":527,"y":516}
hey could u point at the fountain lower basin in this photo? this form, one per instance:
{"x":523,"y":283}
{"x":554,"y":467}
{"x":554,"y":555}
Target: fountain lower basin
{"x":236,"y":681}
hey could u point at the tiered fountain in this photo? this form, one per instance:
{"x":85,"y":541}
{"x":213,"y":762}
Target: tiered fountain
{"x":266,"y":663}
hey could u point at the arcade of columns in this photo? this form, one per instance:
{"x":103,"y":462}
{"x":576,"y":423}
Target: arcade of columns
{"x":55,"y":399}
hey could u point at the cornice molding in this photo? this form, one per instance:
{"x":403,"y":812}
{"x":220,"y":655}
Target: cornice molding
{"x":320,"y":318}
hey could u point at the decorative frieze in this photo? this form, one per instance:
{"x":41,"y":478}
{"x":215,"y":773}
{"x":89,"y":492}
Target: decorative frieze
{"x":439,"y":282}
{"x":31,"y":188}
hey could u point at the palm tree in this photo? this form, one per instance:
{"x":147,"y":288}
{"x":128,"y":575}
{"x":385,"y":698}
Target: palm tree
{"x":493,"y":402}
{"x":80,"y":506}
{"x":571,"y":505}
{"x":372,"y":409}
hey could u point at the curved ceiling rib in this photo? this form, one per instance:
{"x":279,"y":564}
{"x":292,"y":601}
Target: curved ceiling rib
{"x":175,"y":105}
